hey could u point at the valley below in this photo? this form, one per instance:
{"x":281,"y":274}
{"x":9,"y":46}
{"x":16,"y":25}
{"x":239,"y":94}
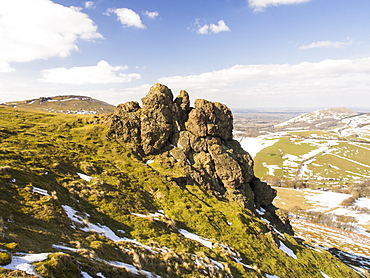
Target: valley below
{"x":319,"y":164}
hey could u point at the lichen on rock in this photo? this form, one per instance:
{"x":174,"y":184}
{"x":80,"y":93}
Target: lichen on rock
{"x":199,"y":137}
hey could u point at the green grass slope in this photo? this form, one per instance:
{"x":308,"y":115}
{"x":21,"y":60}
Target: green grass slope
{"x":124,"y":218}
{"x":316,"y":158}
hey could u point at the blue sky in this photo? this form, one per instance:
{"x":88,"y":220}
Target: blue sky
{"x":246,"y":54}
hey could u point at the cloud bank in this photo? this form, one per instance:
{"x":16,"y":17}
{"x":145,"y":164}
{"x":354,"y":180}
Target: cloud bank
{"x":40,"y":29}
{"x":261,"y":5}
{"x":326,"y":44}
{"x":237,"y":84}
{"x":102,"y":73}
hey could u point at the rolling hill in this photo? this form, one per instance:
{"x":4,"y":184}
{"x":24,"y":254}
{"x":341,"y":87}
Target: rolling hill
{"x":68,"y":104}
{"x":324,"y":148}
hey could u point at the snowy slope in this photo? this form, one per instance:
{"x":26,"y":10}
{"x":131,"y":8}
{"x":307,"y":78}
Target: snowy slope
{"x":319,"y":118}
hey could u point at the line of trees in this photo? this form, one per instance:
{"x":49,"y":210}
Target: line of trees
{"x":356,"y":189}
{"x":347,"y":223}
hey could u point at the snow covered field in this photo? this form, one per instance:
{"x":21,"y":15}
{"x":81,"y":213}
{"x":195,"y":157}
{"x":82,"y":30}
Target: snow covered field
{"x":255,"y":144}
{"x":330,"y":202}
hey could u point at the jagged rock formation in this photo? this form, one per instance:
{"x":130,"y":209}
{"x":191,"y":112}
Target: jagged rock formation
{"x":200,"y":138}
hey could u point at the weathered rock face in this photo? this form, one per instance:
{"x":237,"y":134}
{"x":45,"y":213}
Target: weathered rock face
{"x":210,"y":119}
{"x":199,"y":137}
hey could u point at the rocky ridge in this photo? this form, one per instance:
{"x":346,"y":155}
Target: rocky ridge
{"x":198,"y":138}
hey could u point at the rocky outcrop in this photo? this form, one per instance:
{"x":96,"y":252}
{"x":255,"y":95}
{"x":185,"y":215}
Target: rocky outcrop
{"x":200,"y":138}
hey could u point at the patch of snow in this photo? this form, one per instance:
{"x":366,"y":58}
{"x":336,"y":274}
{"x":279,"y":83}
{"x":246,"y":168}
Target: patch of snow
{"x":325,"y":275}
{"x":359,"y":270}
{"x":99,"y":274}
{"x":324,"y":200}
{"x":149,"y":162}
{"x":304,"y":168}
{"x":13,"y":180}
{"x":132,"y":269}
{"x":85,"y":275}
{"x":128,"y":267}
{"x":84,"y":177}
{"x":195,"y":237}
{"x":101,"y":229}
{"x":271,"y":168}
{"x":23,"y":263}
{"x":157,"y":216}
{"x":140,"y":215}
{"x":60,"y":100}
{"x":287,"y":250}
{"x":363,"y":202}
{"x":271,"y":276}
{"x":61,"y":247}
{"x":315,"y":152}
{"x":218,"y":264}
{"x":261,"y":211}
{"x":72,"y":215}
{"x":272,"y":226}
{"x":254,"y":145}
{"x":333,"y":166}
{"x":290,"y":160}
{"x":40,"y":191}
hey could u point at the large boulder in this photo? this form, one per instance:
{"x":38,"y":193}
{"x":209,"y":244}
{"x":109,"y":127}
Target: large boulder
{"x":125,"y":123}
{"x":210,"y":118}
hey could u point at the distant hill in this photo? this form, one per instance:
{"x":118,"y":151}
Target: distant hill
{"x":320,"y":119}
{"x":68,"y":104}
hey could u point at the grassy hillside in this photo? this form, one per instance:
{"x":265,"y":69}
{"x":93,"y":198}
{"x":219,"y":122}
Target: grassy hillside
{"x":68,"y":104}
{"x":76,"y":203}
{"x":314,"y":159}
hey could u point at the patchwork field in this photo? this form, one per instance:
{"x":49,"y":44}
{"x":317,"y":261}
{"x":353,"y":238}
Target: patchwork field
{"x":318,"y":162}
{"x":324,"y":148}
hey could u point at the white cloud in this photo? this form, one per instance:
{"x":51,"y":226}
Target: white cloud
{"x":40,"y":29}
{"x":220,"y":27}
{"x":89,"y":5}
{"x":213,"y":28}
{"x":128,"y":18}
{"x":238,"y":84}
{"x":151,"y":14}
{"x":5,"y":67}
{"x":326,"y":44}
{"x":102,"y":73}
{"x":261,"y":5}
{"x":203,"y":30}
